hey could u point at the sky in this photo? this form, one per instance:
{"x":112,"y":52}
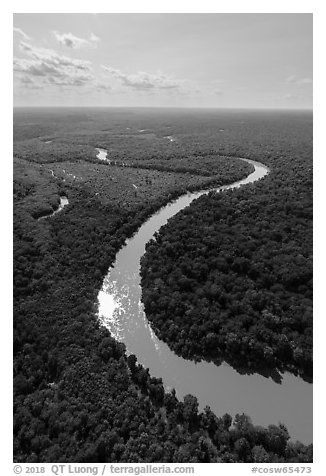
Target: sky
{"x":172,"y":60}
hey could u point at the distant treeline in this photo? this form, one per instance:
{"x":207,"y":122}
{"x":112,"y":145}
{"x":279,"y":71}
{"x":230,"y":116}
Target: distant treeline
{"x":219,"y":168}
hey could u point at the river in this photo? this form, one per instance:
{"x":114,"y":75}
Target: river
{"x":63,"y":202}
{"x":102,"y":155}
{"x":220,"y":387}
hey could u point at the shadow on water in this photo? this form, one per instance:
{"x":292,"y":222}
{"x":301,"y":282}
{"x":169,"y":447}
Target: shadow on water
{"x":275,"y":373}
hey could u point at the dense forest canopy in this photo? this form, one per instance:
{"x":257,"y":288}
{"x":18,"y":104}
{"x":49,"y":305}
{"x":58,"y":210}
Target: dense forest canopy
{"x":237,"y":269}
{"x":77,"y":396}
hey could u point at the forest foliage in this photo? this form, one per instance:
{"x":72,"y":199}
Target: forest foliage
{"x":230,"y":277}
{"x":77,"y":396}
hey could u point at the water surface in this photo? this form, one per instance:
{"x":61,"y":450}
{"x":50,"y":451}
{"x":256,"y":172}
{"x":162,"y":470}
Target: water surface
{"x":63,"y":202}
{"x":102,"y":155}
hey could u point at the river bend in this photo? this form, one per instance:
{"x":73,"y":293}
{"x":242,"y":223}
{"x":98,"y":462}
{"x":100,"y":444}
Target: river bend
{"x":63,"y":202}
{"x":220,"y":387}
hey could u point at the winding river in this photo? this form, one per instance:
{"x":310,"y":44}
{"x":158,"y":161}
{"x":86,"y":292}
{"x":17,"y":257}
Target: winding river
{"x":63,"y":202}
{"x":220,"y":387}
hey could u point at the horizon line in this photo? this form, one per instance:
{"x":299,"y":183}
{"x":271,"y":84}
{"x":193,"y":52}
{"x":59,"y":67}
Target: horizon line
{"x":168,"y":107}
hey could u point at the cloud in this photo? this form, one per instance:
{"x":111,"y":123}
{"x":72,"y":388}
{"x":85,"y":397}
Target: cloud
{"x":304,"y":81}
{"x":21,"y":33}
{"x":293,"y":97}
{"x":29,"y":83}
{"x":71,"y":41}
{"x":298,"y":81}
{"x":35,"y":68}
{"x":102,"y":87}
{"x":291,"y":79}
{"x":70,"y":80}
{"x":94,"y":38}
{"x":52,"y":68}
{"x":142,"y":81}
{"x":216,"y":82}
{"x":52,"y":57}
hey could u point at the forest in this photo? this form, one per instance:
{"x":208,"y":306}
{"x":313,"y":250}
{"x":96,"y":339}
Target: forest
{"x":230,"y":277}
{"x":78,"y":397}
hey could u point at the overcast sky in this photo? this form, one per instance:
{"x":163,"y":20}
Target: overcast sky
{"x":192,"y":60}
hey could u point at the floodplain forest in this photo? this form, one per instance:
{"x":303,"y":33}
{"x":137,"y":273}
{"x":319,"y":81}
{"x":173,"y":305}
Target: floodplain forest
{"x":227,"y":279}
